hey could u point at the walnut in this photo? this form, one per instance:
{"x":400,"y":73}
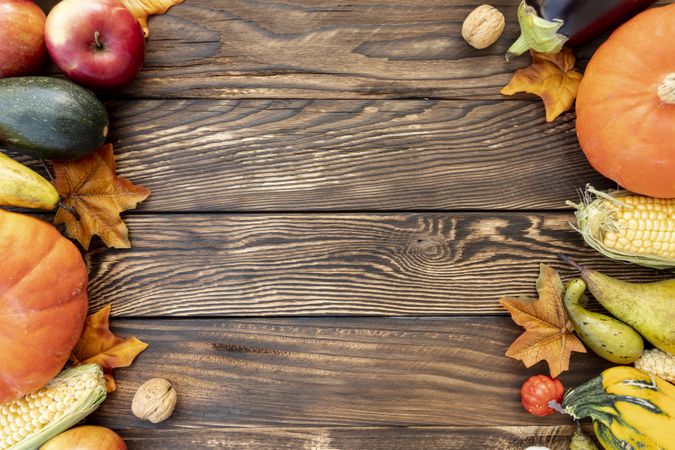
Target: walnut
{"x":483,"y":26}
{"x":154,"y":400}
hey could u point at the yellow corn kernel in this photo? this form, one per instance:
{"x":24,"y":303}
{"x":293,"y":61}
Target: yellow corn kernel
{"x":642,"y":225}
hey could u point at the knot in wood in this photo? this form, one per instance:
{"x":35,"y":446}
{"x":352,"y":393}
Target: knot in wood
{"x":429,"y":248}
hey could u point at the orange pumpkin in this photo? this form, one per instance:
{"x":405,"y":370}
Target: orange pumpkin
{"x":43,"y":303}
{"x":626,"y":105}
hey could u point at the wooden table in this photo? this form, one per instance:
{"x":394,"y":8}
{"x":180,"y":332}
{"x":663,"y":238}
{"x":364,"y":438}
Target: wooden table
{"x":340,"y":197}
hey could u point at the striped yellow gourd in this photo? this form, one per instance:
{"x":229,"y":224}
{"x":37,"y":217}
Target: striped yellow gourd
{"x":630,"y":409}
{"x":628,"y":227}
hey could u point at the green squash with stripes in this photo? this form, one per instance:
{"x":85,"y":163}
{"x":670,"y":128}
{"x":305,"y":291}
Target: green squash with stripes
{"x":50,"y":118}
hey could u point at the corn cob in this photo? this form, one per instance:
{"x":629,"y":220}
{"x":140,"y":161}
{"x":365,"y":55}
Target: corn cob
{"x":657,"y":362}
{"x":628,"y":227}
{"x":32,"y":420}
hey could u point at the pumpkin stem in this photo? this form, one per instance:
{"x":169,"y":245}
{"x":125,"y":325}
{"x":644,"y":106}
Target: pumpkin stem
{"x":667,"y":89}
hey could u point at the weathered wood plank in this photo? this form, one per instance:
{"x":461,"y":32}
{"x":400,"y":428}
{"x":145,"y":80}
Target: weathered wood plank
{"x":322,"y":49}
{"x":348,"y":155}
{"x":333,"y":372}
{"x":340,"y":264}
{"x":372,"y":438}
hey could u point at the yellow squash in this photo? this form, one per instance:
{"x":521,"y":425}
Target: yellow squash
{"x":630,"y":409}
{"x":20,"y":186}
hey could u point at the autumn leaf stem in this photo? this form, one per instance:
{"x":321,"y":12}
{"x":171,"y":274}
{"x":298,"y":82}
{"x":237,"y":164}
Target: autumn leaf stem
{"x":46,"y":167}
{"x":70,"y":209}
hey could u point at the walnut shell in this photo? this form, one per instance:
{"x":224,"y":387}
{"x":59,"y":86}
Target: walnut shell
{"x":483,"y":26}
{"x":154,"y":401}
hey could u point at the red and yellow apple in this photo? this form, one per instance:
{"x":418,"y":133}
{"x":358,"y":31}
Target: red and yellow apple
{"x":96,"y":43}
{"x":22,"y":42}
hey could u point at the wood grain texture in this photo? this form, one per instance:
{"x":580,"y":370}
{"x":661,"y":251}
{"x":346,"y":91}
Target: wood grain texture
{"x":348,"y":155}
{"x":307,"y":49}
{"x":265,"y":106}
{"x":371,"y":438}
{"x":333,"y":372}
{"x":340,"y":264}
{"x":322,"y":49}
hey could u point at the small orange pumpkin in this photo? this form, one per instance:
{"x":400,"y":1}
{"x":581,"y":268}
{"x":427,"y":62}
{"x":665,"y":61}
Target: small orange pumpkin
{"x":626,"y":105}
{"x":43,"y":303}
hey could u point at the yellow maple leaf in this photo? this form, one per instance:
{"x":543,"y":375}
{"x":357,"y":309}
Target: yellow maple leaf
{"x":548,"y":334}
{"x":141,"y":9}
{"x":551,"y":77}
{"x":91,"y":190}
{"x":98,"y":345}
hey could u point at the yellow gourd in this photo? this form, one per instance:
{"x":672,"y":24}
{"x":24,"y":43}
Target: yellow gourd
{"x":630,"y":409}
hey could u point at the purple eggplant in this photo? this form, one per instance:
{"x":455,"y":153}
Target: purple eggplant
{"x":547,"y":25}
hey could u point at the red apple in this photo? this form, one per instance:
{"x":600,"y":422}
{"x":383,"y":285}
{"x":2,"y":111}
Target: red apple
{"x":22,"y":38}
{"x":97,"y":43}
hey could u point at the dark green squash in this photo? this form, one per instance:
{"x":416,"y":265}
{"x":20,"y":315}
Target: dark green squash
{"x":50,"y":118}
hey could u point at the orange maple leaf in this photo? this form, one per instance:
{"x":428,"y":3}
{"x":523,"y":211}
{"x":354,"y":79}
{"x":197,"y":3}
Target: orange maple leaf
{"x":91,"y":188}
{"x":551,"y":77}
{"x":141,"y":9}
{"x":548,"y":334}
{"x":98,"y":345}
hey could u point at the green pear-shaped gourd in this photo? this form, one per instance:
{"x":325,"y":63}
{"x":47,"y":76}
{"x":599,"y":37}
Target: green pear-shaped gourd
{"x":609,"y":338}
{"x":647,"y":307}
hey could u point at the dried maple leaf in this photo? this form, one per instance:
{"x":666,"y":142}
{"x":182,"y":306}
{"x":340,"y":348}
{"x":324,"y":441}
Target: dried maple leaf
{"x":551,"y":77}
{"x":141,"y":9}
{"x":98,"y":345}
{"x":91,"y":188}
{"x":548,"y":334}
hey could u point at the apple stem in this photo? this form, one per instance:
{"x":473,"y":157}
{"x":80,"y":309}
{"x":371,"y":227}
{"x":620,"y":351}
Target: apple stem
{"x":97,"y":39}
